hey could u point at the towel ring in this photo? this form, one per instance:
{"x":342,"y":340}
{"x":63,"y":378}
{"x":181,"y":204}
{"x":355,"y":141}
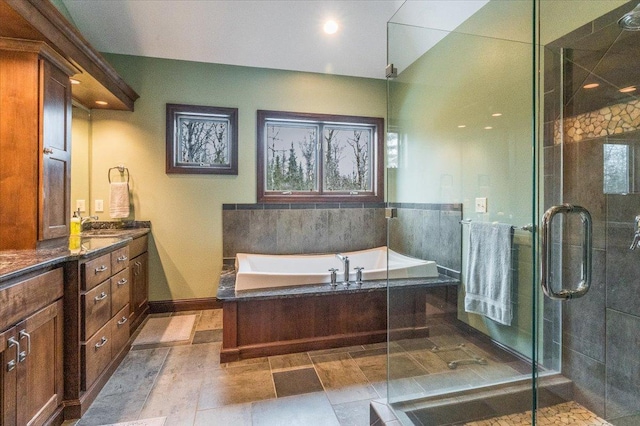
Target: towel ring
{"x":121,"y":169}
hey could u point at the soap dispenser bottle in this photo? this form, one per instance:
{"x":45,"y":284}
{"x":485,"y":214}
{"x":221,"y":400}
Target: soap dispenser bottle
{"x":76,"y":223}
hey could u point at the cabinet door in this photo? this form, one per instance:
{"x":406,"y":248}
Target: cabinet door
{"x":8,"y":362}
{"x":140,"y":285}
{"x":39,"y":370}
{"x":54,"y":210}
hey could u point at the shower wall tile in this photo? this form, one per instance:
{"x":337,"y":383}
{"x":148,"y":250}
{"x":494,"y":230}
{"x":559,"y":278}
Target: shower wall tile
{"x":623,"y":364}
{"x":623,"y":208}
{"x":588,"y":376}
{"x":623,"y":270}
{"x":584,"y":318}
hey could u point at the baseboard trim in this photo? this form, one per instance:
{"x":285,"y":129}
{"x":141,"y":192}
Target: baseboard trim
{"x":162,"y":306}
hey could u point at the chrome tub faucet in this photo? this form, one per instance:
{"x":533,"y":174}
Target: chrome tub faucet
{"x":345,"y":261}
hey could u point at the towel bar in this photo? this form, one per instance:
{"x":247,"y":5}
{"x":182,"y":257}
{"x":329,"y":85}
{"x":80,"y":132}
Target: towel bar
{"x":529,"y":227}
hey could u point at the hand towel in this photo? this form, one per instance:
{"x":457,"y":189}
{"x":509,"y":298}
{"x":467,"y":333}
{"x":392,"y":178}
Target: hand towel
{"x":119,"y":200}
{"x":489,"y":273}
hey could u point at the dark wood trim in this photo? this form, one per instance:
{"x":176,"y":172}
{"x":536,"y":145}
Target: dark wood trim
{"x":301,"y":345}
{"x":47,"y":24}
{"x":319,"y":197}
{"x":172,"y":114}
{"x":161,"y":306}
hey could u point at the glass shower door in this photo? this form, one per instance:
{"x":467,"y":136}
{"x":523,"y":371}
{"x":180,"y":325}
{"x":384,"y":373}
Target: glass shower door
{"x":460,"y":161}
{"x":590,"y":149}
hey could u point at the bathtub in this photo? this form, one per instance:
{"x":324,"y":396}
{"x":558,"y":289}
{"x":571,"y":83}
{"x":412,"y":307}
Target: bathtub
{"x":258,"y":271}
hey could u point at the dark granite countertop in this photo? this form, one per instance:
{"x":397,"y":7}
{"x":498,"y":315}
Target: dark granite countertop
{"x":94,"y":242}
{"x":227,"y":289}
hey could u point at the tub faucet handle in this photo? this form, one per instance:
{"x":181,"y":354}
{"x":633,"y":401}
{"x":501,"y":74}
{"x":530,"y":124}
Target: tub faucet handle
{"x":334,"y":276}
{"x":358,"y":270}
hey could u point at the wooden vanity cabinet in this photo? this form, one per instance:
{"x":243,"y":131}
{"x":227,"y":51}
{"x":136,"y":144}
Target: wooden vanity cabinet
{"x":35,"y":145}
{"x":139,"y":268}
{"x":99,"y":282}
{"x":31,"y":350}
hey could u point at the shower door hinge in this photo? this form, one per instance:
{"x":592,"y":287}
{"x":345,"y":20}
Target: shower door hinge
{"x":391,"y":71}
{"x":390,"y":212}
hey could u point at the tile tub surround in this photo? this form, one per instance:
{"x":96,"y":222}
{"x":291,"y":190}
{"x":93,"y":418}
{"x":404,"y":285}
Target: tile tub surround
{"x":302,"y":228}
{"x":422,"y":230}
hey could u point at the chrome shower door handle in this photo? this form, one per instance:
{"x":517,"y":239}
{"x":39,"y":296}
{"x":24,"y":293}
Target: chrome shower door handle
{"x":546,"y":244}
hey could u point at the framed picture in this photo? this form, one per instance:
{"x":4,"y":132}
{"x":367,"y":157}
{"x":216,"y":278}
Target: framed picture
{"x":202,"y":139}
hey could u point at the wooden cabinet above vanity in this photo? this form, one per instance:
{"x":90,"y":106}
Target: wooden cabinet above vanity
{"x":35,"y":147}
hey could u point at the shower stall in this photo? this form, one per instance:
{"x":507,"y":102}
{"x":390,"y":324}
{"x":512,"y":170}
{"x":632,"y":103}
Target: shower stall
{"x":524,"y":114}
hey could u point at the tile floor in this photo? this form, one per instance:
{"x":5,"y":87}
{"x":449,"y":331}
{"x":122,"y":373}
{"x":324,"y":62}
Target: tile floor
{"x":187,"y":385}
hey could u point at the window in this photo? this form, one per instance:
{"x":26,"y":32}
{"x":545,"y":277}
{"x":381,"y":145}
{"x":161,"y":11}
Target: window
{"x":316,"y":158}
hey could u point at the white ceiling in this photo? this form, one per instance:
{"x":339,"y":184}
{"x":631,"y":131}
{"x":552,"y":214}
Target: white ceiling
{"x":280,"y":34}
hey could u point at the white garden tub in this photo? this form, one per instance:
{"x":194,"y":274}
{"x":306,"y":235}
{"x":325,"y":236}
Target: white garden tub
{"x":259,"y":271}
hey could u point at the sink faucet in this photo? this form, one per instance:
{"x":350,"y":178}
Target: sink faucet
{"x":636,"y":237}
{"x":85,"y":219}
{"x":345,"y":261}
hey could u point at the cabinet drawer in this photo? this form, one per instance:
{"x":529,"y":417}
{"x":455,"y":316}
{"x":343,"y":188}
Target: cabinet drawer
{"x":120,"y":287}
{"x":119,"y":259}
{"x":119,"y":330}
{"x":96,"y":308}
{"x":96,"y":355}
{"x":138,"y":246}
{"x":96,"y":271}
{"x":29,"y":295}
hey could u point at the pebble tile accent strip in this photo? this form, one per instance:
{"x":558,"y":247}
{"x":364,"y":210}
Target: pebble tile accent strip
{"x":568,"y":413}
{"x":611,"y":120}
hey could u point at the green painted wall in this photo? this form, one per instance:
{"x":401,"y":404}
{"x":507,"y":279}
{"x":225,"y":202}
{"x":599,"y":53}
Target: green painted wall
{"x":186,"y":210}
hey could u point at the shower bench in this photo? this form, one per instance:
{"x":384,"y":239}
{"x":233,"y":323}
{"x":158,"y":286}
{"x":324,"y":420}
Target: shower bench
{"x":311,"y":317}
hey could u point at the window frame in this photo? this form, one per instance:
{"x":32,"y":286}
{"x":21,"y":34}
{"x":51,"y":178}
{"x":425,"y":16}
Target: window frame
{"x":377,"y":162}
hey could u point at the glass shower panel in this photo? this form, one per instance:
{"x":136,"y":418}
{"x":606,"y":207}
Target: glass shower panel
{"x":590,"y":148}
{"x":460,"y":113}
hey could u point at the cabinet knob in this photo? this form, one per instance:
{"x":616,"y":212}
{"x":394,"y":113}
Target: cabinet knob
{"x":101,"y":269}
{"x":100,"y":297}
{"x":122,"y":321}
{"x":121,"y":258}
{"x":122,"y":281}
{"x":47,"y":150}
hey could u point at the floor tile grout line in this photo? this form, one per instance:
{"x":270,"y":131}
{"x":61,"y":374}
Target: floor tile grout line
{"x":155,"y":379}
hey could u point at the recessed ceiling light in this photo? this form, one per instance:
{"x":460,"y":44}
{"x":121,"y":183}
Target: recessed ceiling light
{"x":591,"y":86}
{"x":330,"y":27}
{"x":462,"y":126}
{"x":74,"y":81}
{"x":103,"y":103}
{"x":628,"y":89}
{"x":496,"y":114}
{"x":488,"y":128}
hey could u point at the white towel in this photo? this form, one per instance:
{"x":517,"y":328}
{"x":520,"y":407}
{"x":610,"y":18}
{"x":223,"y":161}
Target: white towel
{"x":119,"y":200}
{"x":488,"y":284}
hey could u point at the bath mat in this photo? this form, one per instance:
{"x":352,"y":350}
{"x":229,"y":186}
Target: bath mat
{"x":156,"y":421}
{"x":166,"y":330}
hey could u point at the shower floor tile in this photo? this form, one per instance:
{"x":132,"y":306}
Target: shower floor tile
{"x":568,"y":413}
